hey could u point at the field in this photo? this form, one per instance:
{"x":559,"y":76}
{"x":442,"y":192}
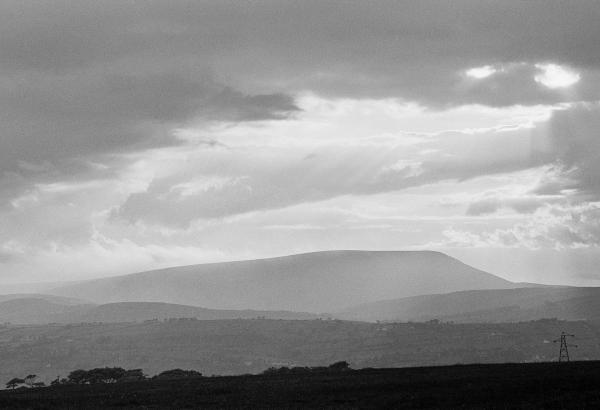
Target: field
{"x":532,"y":385}
{"x":231,"y":347}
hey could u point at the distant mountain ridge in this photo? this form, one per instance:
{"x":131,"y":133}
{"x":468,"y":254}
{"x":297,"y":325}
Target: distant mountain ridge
{"x":32,"y":310}
{"x":484,"y":306}
{"x":311,"y":282}
{"x":49,"y":298}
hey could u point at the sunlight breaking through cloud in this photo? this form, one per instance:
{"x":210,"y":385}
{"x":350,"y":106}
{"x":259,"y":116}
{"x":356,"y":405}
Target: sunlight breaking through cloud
{"x":556,"y":76}
{"x":481,"y":72}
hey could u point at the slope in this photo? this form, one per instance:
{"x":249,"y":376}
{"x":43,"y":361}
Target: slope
{"x":567,"y":303}
{"x":40,"y":311}
{"x":141,"y":311}
{"x":36,"y":311}
{"x":312,"y":282}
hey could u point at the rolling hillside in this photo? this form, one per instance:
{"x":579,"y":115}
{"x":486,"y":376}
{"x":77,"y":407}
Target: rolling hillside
{"x":40,"y":311}
{"x":141,"y":311}
{"x":33,"y":310}
{"x":505,"y":305}
{"x":313,"y":282}
{"x":49,"y":298}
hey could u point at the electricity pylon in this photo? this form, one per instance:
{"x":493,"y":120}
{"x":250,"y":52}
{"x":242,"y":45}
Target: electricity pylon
{"x":563,"y":354}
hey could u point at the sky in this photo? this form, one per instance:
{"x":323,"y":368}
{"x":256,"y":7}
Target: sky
{"x":141,"y":135}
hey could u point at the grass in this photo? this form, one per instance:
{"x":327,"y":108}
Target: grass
{"x":491,"y":386}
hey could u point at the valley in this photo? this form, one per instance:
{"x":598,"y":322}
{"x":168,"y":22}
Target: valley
{"x":226,"y":347}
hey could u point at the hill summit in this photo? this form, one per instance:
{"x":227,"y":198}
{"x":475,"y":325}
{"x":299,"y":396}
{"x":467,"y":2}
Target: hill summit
{"x":311,"y":282}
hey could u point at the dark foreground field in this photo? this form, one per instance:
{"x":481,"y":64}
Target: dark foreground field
{"x":535,"y":385}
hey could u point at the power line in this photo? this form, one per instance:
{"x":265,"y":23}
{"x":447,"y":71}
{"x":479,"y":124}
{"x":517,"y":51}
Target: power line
{"x":563,"y":354}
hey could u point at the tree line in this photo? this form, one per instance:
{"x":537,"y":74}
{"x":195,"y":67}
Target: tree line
{"x":335,"y":367}
{"x":102,"y":375}
{"x":105,"y":375}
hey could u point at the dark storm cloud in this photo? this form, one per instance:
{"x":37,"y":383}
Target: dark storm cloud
{"x":48,"y":117}
{"x":83,"y":78}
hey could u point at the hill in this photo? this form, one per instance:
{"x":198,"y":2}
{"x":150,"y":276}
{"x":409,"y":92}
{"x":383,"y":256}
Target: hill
{"x":141,"y":311}
{"x":49,"y":298}
{"x":40,"y":311}
{"x":36,"y":311}
{"x":313,"y":282}
{"x":504,"y":305}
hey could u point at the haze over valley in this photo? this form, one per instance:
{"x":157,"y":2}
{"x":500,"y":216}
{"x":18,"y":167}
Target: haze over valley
{"x":351,"y":285}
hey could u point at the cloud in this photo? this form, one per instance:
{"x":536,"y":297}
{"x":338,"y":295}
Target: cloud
{"x":481,"y":72}
{"x":568,"y":148}
{"x":417,"y":52}
{"x":489,"y":206}
{"x":572,"y":142}
{"x":563,"y":203}
{"x":276,"y":164}
{"x":128,"y":125}
{"x":265,"y":166}
{"x":555,"y":76}
{"x":273,"y":175}
{"x":553,"y":227}
{"x":56,"y":118}
{"x":80,"y":80}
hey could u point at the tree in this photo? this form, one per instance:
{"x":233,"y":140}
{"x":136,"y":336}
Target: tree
{"x":132,"y":375}
{"x":339,"y":366}
{"x":106,"y":374}
{"x":97,"y":375}
{"x":12,"y":383}
{"x":77,"y":376}
{"x":30,"y":379}
{"x":178,"y":374}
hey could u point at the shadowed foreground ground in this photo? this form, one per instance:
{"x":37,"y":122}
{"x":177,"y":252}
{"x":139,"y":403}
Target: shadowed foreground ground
{"x":539,"y":385}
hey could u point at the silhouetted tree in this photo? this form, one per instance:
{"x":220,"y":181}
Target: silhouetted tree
{"x":97,"y":375}
{"x":12,"y":383}
{"x":77,"y":377}
{"x":335,"y":367}
{"x":339,"y":366}
{"x":132,"y":375}
{"x":30,"y":379}
{"x":178,"y":374}
{"x":105,"y":374}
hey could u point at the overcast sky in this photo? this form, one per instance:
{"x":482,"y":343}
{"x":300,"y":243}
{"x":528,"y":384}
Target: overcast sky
{"x":139,"y":135}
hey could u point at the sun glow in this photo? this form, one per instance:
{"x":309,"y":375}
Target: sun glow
{"x":555,"y":76}
{"x":481,"y":72}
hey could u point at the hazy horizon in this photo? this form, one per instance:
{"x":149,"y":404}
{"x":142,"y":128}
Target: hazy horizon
{"x":11,"y":285}
{"x":139,"y":136}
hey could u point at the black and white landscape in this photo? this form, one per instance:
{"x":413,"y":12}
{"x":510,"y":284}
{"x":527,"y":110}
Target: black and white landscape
{"x":351,"y":285}
{"x":365,"y":307}
{"x":287,"y":192}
